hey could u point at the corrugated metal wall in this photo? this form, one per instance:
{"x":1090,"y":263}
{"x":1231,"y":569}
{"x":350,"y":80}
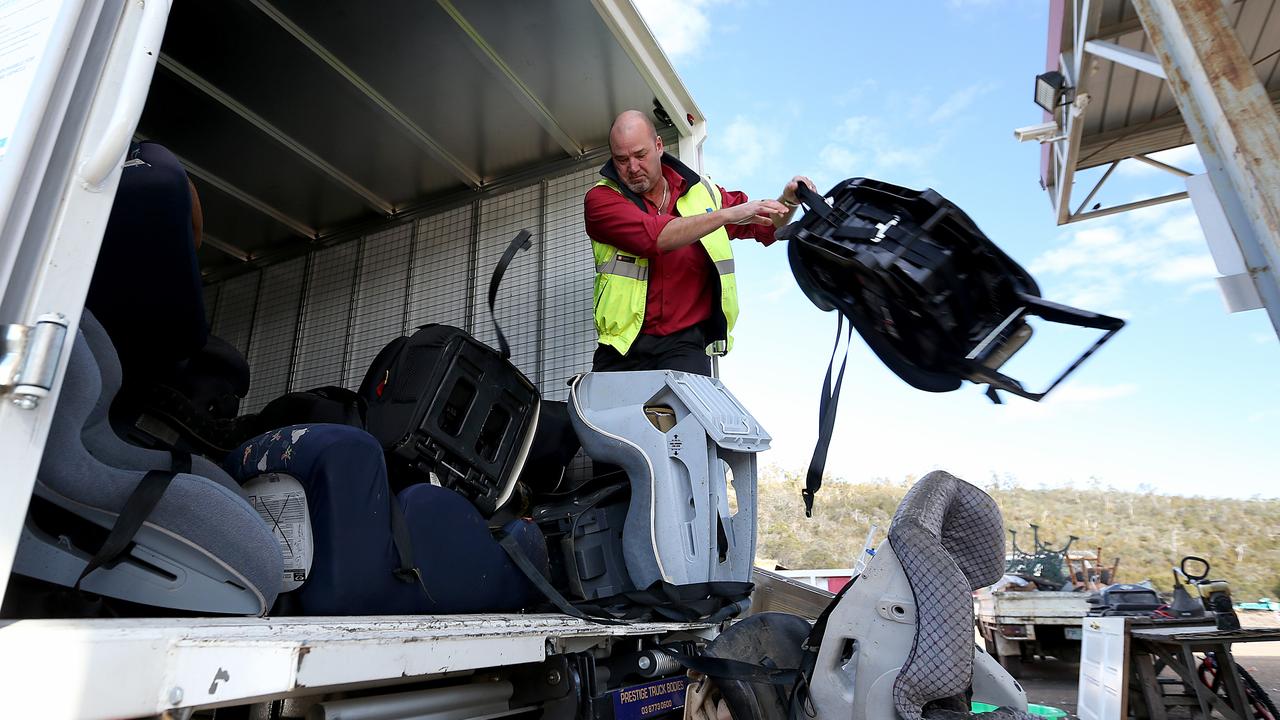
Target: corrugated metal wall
{"x":320,"y":319}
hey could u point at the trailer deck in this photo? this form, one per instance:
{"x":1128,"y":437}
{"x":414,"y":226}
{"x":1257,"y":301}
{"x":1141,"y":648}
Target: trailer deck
{"x":103,"y":668}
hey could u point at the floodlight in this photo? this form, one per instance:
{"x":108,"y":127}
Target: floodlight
{"x":1051,"y":90}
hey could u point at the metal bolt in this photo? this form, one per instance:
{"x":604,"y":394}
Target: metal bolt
{"x":554,"y":677}
{"x":175,"y":695}
{"x":645,"y":662}
{"x":26,"y":402}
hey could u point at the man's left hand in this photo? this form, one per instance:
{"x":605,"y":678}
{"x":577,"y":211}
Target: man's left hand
{"x":789,"y":192}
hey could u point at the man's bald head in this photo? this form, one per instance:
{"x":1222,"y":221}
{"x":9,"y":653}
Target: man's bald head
{"x":636,"y":150}
{"x":632,"y":123}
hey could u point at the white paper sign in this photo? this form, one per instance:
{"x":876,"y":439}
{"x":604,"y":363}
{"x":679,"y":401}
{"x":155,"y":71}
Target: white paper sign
{"x":282,"y":503}
{"x":24,"y":33}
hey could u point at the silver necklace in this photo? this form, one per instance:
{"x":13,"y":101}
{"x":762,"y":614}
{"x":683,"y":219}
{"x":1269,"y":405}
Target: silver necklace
{"x":666,"y":187}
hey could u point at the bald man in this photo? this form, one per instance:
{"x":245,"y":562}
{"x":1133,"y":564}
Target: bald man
{"x":665,"y":290}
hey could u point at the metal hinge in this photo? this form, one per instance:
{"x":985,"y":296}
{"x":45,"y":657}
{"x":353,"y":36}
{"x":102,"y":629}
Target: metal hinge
{"x":29,"y":358}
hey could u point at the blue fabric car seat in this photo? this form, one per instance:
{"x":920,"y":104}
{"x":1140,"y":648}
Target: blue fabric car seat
{"x":358,"y":567}
{"x":201,"y":549}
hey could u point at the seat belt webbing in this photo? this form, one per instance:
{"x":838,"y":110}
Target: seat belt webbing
{"x":826,"y":417}
{"x":137,"y":507}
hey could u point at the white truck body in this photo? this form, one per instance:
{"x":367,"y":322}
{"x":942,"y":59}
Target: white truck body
{"x":80,"y":90}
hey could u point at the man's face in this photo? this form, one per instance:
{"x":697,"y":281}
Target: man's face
{"x":638,"y":159}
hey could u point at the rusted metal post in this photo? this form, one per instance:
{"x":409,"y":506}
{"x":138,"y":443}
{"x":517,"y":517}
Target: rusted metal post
{"x":1233,"y":123}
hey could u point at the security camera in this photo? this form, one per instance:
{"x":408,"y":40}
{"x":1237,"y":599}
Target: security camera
{"x":1044,"y":132}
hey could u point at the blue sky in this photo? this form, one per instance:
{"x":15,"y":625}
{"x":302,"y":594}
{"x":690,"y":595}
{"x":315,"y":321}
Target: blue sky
{"x":1186,"y":399}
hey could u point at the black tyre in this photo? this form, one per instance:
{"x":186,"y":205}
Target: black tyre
{"x":1263,"y":707}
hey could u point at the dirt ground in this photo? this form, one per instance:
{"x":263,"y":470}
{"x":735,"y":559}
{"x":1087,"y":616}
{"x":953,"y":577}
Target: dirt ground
{"x":1055,"y":683}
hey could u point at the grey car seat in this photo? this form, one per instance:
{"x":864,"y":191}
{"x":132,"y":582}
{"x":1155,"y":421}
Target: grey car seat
{"x":201,"y":549}
{"x":901,"y":638}
{"x":676,"y":435}
{"x":898,"y":643}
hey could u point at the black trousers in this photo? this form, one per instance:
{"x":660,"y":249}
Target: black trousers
{"x":685,"y":351}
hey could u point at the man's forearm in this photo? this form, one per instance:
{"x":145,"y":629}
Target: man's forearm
{"x":682,"y":231}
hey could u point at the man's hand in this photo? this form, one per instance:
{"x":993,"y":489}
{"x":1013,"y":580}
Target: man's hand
{"x":789,"y":192}
{"x":755,"y":212}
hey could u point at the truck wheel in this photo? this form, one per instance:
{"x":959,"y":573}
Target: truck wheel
{"x":1012,"y":664}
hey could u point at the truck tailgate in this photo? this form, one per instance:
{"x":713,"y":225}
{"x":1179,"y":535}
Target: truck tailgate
{"x":1045,"y":608}
{"x":125,"y":668}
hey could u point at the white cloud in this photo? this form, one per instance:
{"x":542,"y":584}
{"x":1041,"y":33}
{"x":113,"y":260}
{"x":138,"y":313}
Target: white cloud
{"x":1105,"y":259}
{"x":1184,"y":268}
{"x":958,"y":101}
{"x":1081,"y":394}
{"x":1205,"y":286}
{"x":1071,"y":397}
{"x":860,"y":90}
{"x":862,"y":145}
{"x":1266,"y":337}
{"x":743,"y":147}
{"x":1091,"y":293}
{"x":838,"y":158}
{"x":681,"y":26}
{"x":1262,"y":416}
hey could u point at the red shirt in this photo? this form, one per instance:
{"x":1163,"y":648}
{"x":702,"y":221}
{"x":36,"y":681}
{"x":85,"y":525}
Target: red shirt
{"x":681,"y":282}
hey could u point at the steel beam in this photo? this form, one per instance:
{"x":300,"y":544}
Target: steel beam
{"x":1087,"y":15}
{"x":1165,"y":132}
{"x":371,"y":198}
{"x":1101,"y":181}
{"x":1126,"y":207}
{"x":631,"y":32}
{"x":1141,"y":61}
{"x":1231,"y":118}
{"x":416,"y":133}
{"x":1162,"y":166}
{"x":514,"y":84}
{"x":1120,"y":29}
{"x":218,"y":182}
{"x":225,"y":247}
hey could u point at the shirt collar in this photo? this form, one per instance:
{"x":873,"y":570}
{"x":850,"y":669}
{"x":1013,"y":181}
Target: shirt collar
{"x":671,"y":167}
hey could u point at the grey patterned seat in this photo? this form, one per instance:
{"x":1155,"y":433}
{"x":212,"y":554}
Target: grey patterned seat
{"x":901,"y":638}
{"x":202,"y":549}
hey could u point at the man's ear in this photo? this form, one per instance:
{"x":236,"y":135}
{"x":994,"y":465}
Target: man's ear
{"x":657,"y":144}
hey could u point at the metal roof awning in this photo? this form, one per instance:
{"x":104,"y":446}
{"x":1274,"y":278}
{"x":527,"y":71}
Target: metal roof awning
{"x":1128,"y":110}
{"x":301,"y":122}
{"x":1141,"y":76}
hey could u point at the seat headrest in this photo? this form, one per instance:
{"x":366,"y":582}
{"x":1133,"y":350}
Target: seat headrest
{"x":963,"y":519}
{"x":949,"y":537}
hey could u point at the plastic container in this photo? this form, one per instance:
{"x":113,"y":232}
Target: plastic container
{"x":1043,"y":711}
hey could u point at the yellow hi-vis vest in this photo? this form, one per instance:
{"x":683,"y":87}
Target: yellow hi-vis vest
{"x":622,"y":279}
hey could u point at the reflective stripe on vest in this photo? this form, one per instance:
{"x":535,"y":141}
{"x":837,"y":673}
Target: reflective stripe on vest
{"x":622,"y":280}
{"x":625,"y":266}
